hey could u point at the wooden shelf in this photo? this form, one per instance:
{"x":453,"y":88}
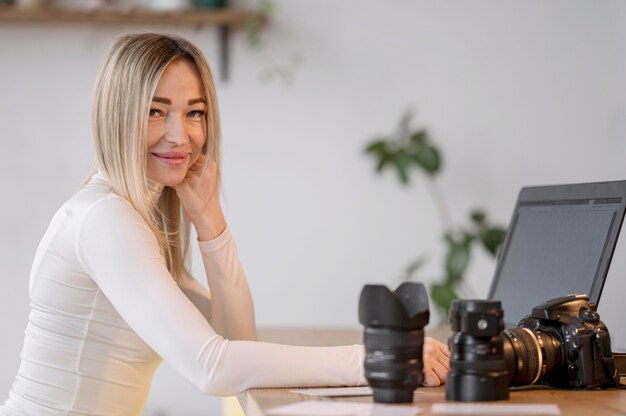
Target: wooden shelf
{"x":224,"y":19}
{"x":215,"y":17}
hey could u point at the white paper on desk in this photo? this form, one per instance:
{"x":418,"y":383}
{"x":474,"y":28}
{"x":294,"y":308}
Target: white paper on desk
{"x":338,"y":408}
{"x":336,"y":392}
{"x":340,"y":391}
{"x":495,"y":409}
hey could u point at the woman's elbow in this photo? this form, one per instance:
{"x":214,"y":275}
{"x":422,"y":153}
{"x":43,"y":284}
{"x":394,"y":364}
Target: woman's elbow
{"x":219,"y":388}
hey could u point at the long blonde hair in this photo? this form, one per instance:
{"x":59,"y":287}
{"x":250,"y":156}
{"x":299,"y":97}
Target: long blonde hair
{"x":123,"y":92}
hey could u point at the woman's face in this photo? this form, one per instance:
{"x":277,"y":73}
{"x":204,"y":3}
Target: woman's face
{"x":176,"y":123}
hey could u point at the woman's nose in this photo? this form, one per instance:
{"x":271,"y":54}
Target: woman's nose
{"x":175,"y":131}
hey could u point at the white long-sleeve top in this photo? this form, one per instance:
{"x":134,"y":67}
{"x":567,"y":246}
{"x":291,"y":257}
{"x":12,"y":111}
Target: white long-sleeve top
{"x":105,"y":312}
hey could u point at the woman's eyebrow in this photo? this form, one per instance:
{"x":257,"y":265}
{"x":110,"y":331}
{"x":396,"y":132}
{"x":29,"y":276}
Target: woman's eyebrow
{"x":162,"y":100}
{"x":169,"y":102}
{"x":196,"y":100}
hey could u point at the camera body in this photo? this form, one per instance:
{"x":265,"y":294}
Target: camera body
{"x":584,"y":358}
{"x":562,"y":343}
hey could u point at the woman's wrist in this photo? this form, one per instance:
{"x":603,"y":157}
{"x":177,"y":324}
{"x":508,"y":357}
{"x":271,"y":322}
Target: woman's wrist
{"x":210,"y":225}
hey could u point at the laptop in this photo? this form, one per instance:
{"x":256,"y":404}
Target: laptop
{"x":561,"y":241}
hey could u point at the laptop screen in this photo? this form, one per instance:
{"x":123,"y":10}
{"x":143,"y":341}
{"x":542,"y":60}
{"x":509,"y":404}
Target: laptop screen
{"x":558,"y":243}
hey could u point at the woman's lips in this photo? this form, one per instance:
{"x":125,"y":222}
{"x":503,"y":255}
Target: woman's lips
{"x":172,"y":158}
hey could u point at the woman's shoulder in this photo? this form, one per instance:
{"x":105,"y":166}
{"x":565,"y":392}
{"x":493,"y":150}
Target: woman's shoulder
{"x":98,"y":197}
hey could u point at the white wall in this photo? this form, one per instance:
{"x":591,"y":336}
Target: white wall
{"x":515,"y":93}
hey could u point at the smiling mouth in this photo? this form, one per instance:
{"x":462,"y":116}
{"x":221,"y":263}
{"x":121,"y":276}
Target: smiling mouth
{"x":171,"y":159}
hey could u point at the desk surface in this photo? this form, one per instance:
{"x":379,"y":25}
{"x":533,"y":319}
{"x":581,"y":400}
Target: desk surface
{"x":571,"y":402}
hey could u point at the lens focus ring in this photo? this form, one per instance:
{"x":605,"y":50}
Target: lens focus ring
{"x":527,"y":356}
{"x":375,"y":338}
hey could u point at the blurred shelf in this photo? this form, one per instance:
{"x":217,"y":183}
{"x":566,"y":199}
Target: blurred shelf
{"x":225,"y":20}
{"x":215,"y":17}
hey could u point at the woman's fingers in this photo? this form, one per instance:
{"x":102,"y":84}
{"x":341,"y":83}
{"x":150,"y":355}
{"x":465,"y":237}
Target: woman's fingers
{"x":434,"y":373}
{"x":436,"y":362}
{"x":200,"y":160}
{"x":197,"y":165}
{"x":436,"y":348}
{"x":198,"y":192}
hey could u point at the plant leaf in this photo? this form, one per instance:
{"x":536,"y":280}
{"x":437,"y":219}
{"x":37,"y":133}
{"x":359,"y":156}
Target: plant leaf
{"x":478,"y":216}
{"x":379,"y":149}
{"x":377,"y":146}
{"x":442,"y":295}
{"x":252,"y":26}
{"x":457,"y":258}
{"x":267,"y":8}
{"x":401,"y":161}
{"x":419,"y":137}
{"x":427,"y":157}
{"x":383,"y":160}
{"x":492,"y":238}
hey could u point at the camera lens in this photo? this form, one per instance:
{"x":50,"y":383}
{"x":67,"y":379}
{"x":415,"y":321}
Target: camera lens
{"x":477,"y":366}
{"x":531,"y":356}
{"x":394,"y":339}
{"x":393,"y":363}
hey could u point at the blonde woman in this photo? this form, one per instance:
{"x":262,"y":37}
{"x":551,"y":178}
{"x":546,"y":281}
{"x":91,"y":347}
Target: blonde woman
{"x":111,"y":295}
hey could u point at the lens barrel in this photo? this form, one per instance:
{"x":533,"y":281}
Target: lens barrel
{"x":477,"y":364}
{"x":393,"y":363}
{"x":531,"y":356}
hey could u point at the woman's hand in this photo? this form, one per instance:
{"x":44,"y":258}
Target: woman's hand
{"x":436,"y":362}
{"x":199,"y":195}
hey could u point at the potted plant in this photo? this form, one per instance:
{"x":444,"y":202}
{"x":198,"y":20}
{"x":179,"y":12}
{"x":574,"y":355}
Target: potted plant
{"x":409,"y":150}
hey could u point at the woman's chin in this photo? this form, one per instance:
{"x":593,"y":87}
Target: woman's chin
{"x":170,"y":180}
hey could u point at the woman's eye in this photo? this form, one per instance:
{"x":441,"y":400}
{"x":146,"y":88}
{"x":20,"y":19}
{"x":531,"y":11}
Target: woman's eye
{"x":153,"y":112}
{"x":196,"y":113}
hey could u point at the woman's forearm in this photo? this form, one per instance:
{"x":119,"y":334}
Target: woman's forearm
{"x":232,"y":308}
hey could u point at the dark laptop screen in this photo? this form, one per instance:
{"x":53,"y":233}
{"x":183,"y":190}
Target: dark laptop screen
{"x":555,"y":248}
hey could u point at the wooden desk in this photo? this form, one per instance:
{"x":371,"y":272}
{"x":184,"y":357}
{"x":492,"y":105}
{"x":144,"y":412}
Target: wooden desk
{"x":579,"y":402}
{"x":571,"y":402}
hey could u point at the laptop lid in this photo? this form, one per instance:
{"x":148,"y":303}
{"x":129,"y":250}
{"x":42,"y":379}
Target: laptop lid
{"x":560,"y":241}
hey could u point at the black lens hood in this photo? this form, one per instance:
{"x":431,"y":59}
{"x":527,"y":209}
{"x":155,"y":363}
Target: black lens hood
{"x":406,"y":308}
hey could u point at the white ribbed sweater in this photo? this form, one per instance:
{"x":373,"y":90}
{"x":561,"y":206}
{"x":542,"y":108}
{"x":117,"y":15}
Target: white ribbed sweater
{"x":105,"y":312}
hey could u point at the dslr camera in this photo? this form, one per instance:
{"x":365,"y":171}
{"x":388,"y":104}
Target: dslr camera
{"x":561,"y":343}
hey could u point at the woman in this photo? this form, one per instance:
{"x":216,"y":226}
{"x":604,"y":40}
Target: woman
{"x":111,"y":295}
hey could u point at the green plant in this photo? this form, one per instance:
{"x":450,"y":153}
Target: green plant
{"x":254,"y":23}
{"x":283,"y":70}
{"x":407,"y":150}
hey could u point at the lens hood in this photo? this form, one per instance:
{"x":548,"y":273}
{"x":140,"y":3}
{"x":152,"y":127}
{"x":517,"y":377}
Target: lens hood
{"x":404,"y":309}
